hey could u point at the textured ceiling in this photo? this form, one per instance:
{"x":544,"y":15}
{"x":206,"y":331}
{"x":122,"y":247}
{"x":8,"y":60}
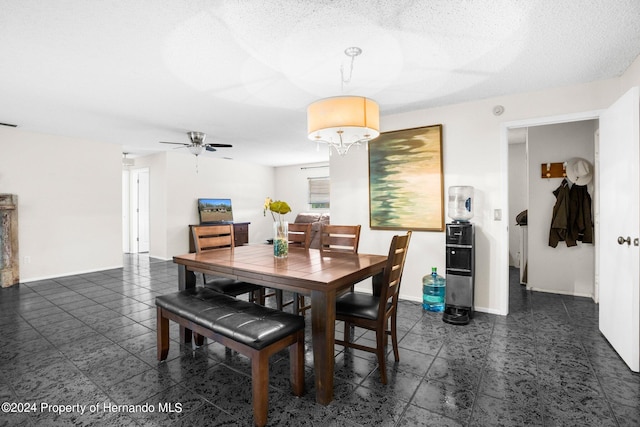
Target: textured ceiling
{"x":138,"y":72}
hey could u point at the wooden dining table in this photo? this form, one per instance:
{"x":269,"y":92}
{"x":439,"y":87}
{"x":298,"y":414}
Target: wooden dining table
{"x":305,"y":271}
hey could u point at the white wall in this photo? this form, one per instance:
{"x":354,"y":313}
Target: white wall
{"x":470,"y":153}
{"x":176,"y":183}
{"x":177,"y":180}
{"x":560,"y":270}
{"x":517,"y":197}
{"x":475,"y":153}
{"x":631,"y":76}
{"x":70,"y":211}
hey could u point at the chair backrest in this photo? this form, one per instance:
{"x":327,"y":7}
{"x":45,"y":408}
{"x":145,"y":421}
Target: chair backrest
{"x":339,"y":238}
{"x":212,"y":236}
{"x":300,"y":235}
{"x":390,"y":285}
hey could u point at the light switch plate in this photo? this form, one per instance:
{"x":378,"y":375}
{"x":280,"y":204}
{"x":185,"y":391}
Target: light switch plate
{"x":497,"y":214}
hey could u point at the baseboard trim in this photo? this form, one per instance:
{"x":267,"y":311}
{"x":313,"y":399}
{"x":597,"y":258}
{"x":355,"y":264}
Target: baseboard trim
{"x":70,"y":273}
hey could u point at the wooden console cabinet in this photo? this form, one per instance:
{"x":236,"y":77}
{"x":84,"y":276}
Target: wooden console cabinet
{"x":240,"y":234}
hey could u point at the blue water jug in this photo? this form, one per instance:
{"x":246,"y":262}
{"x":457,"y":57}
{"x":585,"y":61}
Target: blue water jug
{"x":433,"y":287}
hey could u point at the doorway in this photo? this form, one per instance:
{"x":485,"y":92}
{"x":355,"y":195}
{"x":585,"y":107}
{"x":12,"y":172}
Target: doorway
{"x":517,"y":127}
{"x":135,"y":208}
{"x":615,"y":143}
{"x":563,"y":269}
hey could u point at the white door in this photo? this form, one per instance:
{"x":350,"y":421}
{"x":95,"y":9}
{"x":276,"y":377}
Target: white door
{"x":596,"y":220}
{"x":126,"y":210}
{"x":620,"y":218}
{"x":141,"y":216}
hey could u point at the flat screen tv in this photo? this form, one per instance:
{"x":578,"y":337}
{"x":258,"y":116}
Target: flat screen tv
{"x":215,"y":211}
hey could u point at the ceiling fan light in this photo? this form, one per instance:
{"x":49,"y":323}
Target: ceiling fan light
{"x":196,"y":150}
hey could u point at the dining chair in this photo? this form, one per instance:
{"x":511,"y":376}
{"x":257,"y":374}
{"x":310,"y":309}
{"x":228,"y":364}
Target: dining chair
{"x":374,"y":311}
{"x":339,"y":238}
{"x":215,"y":237}
{"x":299,"y":236}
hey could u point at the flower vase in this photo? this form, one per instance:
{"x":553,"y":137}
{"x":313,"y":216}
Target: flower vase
{"x":280,"y":239}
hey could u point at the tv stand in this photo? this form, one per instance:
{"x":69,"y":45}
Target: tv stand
{"x":240,"y":234}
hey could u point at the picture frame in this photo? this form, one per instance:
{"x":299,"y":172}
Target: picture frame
{"x":406,"y":181}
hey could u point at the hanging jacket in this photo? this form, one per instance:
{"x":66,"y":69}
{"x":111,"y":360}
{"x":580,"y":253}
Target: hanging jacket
{"x":560,"y":217}
{"x":580,"y":221}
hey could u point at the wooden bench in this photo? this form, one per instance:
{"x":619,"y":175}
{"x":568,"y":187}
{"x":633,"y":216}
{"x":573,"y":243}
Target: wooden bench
{"x":250,"y":329}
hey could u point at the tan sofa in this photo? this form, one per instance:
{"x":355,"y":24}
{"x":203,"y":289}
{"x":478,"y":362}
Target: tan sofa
{"x":316,"y":219}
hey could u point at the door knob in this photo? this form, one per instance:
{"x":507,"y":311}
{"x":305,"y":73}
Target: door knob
{"x":622,"y":240}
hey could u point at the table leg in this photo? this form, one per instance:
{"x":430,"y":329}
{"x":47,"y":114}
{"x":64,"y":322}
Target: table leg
{"x":323,"y":319}
{"x":186,"y":280}
{"x":377,"y":282}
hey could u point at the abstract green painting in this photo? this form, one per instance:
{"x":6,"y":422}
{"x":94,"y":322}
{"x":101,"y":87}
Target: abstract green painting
{"x":406,"y":188}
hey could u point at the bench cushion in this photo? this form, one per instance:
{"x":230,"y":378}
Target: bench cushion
{"x":248,"y":323}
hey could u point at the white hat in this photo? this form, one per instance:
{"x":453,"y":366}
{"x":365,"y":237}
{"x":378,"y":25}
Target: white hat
{"x":579,"y":171}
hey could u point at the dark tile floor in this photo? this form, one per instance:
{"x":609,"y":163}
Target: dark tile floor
{"x":89,"y":340}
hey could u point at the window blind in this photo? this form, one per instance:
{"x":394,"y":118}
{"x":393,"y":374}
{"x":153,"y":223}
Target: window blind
{"x":319,"y":190}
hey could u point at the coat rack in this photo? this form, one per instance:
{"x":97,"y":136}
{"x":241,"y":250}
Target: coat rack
{"x":553,"y":170}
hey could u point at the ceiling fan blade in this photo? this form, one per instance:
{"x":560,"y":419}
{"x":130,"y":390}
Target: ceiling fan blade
{"x":197,"y":141}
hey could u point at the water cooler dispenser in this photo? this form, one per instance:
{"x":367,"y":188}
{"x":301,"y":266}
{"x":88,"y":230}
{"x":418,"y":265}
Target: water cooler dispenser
{"x":460,"y":258}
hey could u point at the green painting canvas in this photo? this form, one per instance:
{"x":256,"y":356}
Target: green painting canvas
{"x":406,"y":189}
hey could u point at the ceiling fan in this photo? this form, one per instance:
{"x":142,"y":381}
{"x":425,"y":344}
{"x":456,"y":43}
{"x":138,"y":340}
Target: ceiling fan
{"x":197,"y":143}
